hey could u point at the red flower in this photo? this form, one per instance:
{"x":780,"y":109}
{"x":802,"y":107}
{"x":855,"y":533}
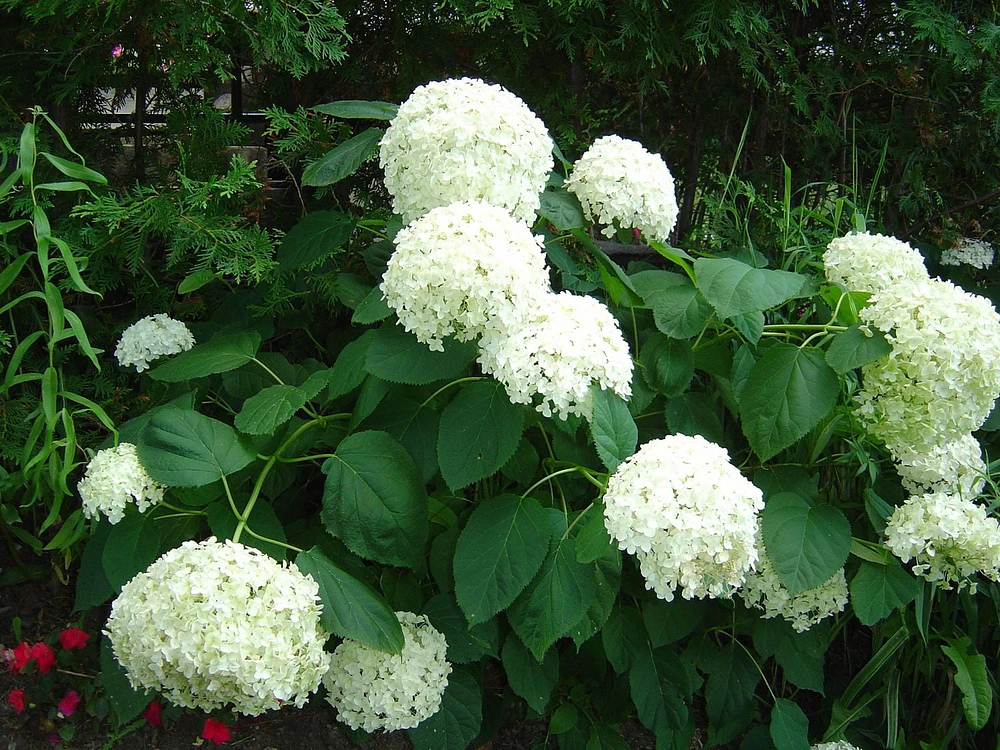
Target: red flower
{"x":69,"y":703}
{"x":215,"y":731}
{"x":72,"y":638}
{"x":152,"y":714}
{"x":44,"y":656}
{"x":16,"y":699}
{"x":21,"y":657}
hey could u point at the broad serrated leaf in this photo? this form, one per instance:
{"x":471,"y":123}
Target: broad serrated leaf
{"x":355,"y":109}
{"x":787,"y":393}
{"x":667,"y":364}
{"x":972,"y":679}
{"x":498,"y":553}
{"x":612,"y":427}
{"x":805,"y":543}
{"x":412,"y":424}
{"x":750,"y":325}
{"x":223,"y":353}
{"x":466,"y":643}
{"x":351,"y":609}
{"x":668,"y":622}
{"x":732,"y":679}
{"x":734,"y":288}
{"x":195,"y":281}
{"x":694,"y":413}
{"x":652,"y":680}
{"x":593,"y":540}
{"x":562,"y":209}
{"x":131,"y":546}
{"x":396,"y":356}
{"x":605,"y":737}
{"x":855,"y":347}
{"x":680,"y":311}
{"x":607,"y":572}
{"x":126,"y":702}
{"x":458,"y":721}
{"x":317,"y":236}
{"x":800,"y":655}
{"x":528,"y":678}
{"x":876,"y":590}
{"x":263,"y":521}
{"x":623,"y":637}
{"x":92,"y":585}
{"x":264,"y":412}
{"x":342,"y":160}
{"x":182,"y":448}
{"x":479,"y":432}
{"x":789,"y":726}
{"x":374,"y":500}
{"x":348,"y":371}
{"x":372,"y":309}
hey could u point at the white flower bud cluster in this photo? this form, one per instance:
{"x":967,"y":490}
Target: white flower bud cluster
{"x":113,"y":479}
{"x":948,"y":538}
{"x":687,"y":514}
{"x":969,"y":252}
{"x":215,"y":623}
{"x":864,"y":262}
{"x":618,"y":180}
{"x":462,"y":139}
{"x":372,"y":689}
{"x":151,"y":338}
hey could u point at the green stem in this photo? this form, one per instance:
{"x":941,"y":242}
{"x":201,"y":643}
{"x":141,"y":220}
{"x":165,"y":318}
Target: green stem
{"x":257,"y":536}
{"x":443,"y":388}
{"x":268,"y":370}
{"x":548,"y":477}
{"x":576,"y":521}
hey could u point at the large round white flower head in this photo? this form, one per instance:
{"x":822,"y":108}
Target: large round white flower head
{"x":114,"y":478}
{"x":618,"y":180}
{"x":571,"y":342}
{"x":687,"y":514}
{"x":864,"y":262}
{"x":468,"y":269}
{"x":949,"y":539}
{"x":839,"y":745}
{"x":372,"y":689}
{"x":764,"y":589}
{"x":462,"y":139}
{"x":215,"y":623}
{"x":151,"y":338}
{"x":955,"y":466}
{"x":969,"y":252}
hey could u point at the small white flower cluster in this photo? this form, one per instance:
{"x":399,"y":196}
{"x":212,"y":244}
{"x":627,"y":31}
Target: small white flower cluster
{"x":969,"y":252}
{"x":687,"y":514}
{"x":839,"y":745}
{"x":372,"y":689}
{"x":864,"y":262}
{"x":948,"y":538}
{"x":571,"y":342}
{"x":212,"y":623}
{"x":956,"y":466}
{"x":114,"y":478}
{"x":764,"y":589}
{"x":462,"y":139}
{"x":151,"y":338}
{"x":468,"y":269}
{"x":618,"y":180}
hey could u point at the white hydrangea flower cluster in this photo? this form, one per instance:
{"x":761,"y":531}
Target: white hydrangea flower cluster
{"x":687,"y":514}
{"x":114,"y":478}
{"x":956,"y":466}
{"x":618,"y":180}
{"x":864,"y":262}
{"x":152,"y":337}
{"x":215,"y":623}
{"x":571,"y":342}
{"x":372,"y":689}
{"x":462,"y":139}
{"x":948,"y":538}
{"x":969,"y":252}
{"x":764,"y":589}
{"x":468,"y":269}
{"x":839,"y":745}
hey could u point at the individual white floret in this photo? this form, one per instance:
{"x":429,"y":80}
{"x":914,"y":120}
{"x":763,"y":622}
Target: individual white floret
{"x":151,"y":338}
{"x":468,"y":269}
{"x":572,"y":342}
{"x":113,"y":479}
{"x":212,"y":623}
{"x":969,"y":252}
{"x":372,"y":689}
{"x":687,"y":514}
{"x":864,"y":262}
{"x":462,"y":139}
{"x":619,"y":181}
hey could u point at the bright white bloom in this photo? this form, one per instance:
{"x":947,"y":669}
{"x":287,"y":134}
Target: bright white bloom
{"x":618,"y":180}
{"x":948,"y":538}
{"x":215,"y":623}
{"x":467,"y":269}
{"x":687,"y":514}
{"x":764,"y":589}
{"x":463,"y":139}
{"x":955,"y":466}
{"x":114,"y":478}
{"x":840,"y":745}
{"x":969,"y":252}
{"x":372,"y":689}
{"x":151,"y":338}
{"x":572,"y":342}
{"x":865,"y":262}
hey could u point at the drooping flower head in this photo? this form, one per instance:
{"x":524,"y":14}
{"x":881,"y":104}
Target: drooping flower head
{"x":948,"y":538}
{"x":969,"y":252}
{"x":372,"y":689}
{"x":572,"y":342}
{"x":462,"y":139}
{"x":864,"y":262}
{"x":216,"y":623}
{"x":618,"y":180}
{"x":151,"y":338}
{"x":113,"y":479}
{"x":467,"y":269}
{"x":687,"y":514}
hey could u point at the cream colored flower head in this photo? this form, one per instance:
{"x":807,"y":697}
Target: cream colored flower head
{"x":863,"y":262}
{"x":151,"y":338}
{"x":969,"y":252}
{"x":113,"y":479}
